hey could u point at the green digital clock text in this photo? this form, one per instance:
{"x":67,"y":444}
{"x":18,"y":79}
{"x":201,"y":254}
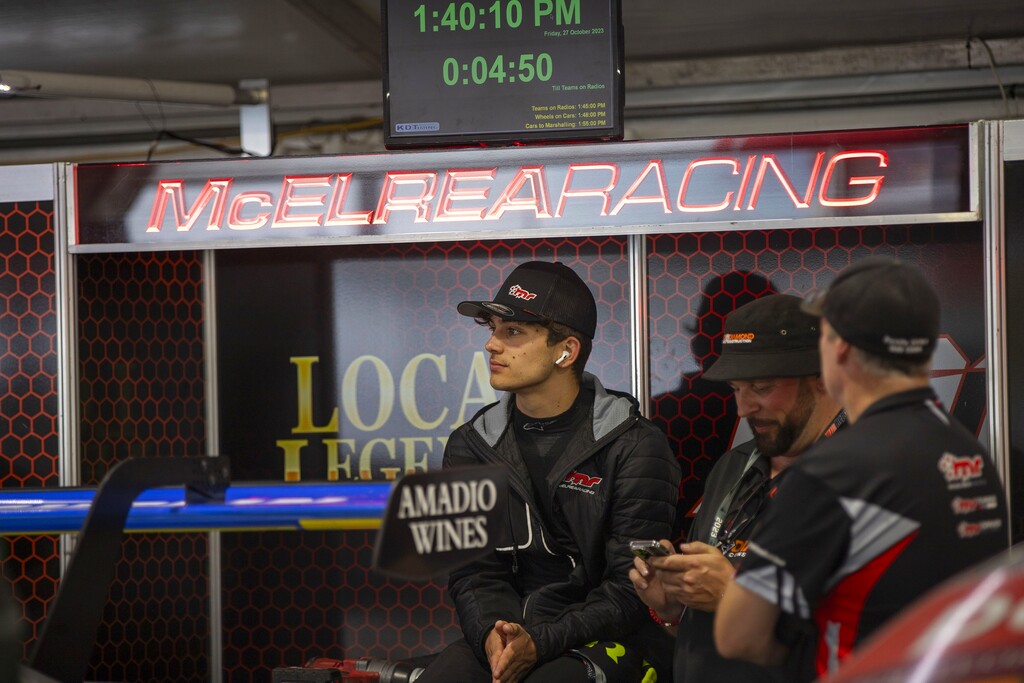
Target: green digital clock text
{"x":522,"y":68}
{"x":466,"y":16}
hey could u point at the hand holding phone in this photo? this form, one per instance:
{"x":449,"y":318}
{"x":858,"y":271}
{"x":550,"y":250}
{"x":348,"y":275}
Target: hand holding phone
{"x":645,"y":548}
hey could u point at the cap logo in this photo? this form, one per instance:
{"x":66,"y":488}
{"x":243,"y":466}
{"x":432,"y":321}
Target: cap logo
{"x":738,"y":338}
{"x":900,"y":346}
{"x":520,"y":293}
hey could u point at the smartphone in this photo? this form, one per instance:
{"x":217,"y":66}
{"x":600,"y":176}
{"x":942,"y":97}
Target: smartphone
{"x":646,"y":548}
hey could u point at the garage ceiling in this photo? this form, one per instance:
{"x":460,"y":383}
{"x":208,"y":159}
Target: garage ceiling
{"x":692,"y":68}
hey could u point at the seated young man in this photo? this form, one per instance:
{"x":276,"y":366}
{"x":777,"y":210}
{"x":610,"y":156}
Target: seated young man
{"x":553,"y":602}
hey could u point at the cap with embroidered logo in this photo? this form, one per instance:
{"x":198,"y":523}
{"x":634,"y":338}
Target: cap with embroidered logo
{"x":768,"y":337}
{"x":883,"y":306}
{"x":539,"y":291}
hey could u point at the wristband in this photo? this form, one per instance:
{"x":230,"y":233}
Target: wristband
{"x":659,"y":620}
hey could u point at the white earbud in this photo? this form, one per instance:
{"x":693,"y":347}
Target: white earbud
{"x":565,"y":354}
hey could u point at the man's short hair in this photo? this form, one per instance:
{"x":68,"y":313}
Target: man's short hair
{"x":884,"y":366}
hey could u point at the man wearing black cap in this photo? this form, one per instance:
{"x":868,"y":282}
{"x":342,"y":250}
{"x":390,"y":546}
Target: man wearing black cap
{"x":872,"y":518}
{"x":552,"y":602}
{"x":770,"y":359}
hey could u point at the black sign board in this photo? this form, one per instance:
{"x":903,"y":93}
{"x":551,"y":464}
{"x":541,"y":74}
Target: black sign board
{"x":439,"y":521}
{"x":501,"y":71}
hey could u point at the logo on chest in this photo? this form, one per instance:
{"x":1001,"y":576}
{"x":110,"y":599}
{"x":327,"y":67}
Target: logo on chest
{"x":578,"y":481}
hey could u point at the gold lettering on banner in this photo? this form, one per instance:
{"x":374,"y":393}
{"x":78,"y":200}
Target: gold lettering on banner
{"x":304,"y":372}
{"x":407,"y":391}
{"x":366,"y":455}
{"x":335,"y":463}
{"x":414,"y":462}
{"x":381,"y":457}
{"x":292,"y":457}
{"x":350,"y":398}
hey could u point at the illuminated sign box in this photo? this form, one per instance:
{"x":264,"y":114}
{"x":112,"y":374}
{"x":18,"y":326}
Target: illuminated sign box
{"x":501,"y":71}
{"x":891,"y":176}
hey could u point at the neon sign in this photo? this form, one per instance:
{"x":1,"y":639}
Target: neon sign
{"x":609,"y":188}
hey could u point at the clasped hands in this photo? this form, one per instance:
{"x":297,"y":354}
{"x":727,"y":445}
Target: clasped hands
{"x":511,"y":652}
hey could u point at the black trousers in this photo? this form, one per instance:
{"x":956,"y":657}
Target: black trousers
{"x":457,"y":663}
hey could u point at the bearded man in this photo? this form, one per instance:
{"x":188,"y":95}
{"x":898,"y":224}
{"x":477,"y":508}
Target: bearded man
{"x":770,"y":360}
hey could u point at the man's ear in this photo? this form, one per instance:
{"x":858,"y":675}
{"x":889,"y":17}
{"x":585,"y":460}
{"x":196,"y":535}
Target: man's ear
{"x":570,"y":351}
{"x":843,"y":351}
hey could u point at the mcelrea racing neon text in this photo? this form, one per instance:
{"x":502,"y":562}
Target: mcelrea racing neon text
{"x":708,"y":185}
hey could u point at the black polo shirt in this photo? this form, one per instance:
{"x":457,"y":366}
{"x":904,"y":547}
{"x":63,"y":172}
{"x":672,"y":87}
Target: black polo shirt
{"x":867,"y":521}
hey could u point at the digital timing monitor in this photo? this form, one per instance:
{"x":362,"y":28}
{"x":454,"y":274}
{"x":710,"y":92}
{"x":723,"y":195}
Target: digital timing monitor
{"x":501,"y":71}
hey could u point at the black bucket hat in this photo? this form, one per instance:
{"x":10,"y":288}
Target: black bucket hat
{"x":539,"y":291}
{"x":768,"y":337}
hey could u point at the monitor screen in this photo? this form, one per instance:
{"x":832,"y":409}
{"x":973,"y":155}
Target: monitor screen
{"x":479,"y":72}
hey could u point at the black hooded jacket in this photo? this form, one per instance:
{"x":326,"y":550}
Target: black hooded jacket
{"x":562,"y":569}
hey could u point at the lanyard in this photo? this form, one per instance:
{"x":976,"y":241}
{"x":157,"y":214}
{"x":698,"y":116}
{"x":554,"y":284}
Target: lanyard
{"x":724,"y":509}
{"x":730,"y":497}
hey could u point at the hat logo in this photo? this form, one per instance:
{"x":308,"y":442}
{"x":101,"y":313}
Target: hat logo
{"x":520,"y":293}
{"x":738,"y":338}
{"x":901,"y":346}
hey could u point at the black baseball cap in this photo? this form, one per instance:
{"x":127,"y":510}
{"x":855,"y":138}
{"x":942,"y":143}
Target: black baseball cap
{"x":883,"y":306}
{"x":768,"y":337}
{"x":539,"y":291}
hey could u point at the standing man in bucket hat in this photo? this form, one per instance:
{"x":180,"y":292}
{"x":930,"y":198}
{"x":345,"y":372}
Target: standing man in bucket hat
{"x":869,"y":520}
{"x":770,"y":359}
{"x":587,"y":473}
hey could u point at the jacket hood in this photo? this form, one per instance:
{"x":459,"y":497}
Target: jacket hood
{"x":611,"y":409}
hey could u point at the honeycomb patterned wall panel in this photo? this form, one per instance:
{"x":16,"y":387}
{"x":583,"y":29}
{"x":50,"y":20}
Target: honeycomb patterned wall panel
{"x":289,"y":597}
{"x":695,"y":280}
{"x":28,"y":346}
{"x":29,"y":407}
{"x":141,"y":393}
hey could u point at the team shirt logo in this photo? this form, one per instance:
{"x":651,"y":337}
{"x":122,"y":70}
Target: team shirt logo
{"x":972,"y":529}
{"x":577,"y":481}
{"x":961,"y":469}
{"x":965,"y":506}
